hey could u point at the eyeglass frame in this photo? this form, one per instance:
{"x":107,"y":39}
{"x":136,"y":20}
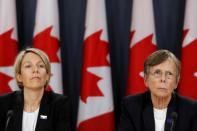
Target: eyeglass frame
{"x":159,"y":73}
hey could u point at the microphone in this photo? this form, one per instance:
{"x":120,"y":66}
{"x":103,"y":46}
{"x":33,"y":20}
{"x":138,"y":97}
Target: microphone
{"x":9,"y":115}
{"x":174,"y":116}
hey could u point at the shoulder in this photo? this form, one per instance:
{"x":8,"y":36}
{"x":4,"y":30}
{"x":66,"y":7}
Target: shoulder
{"x":56,"y":99}
{"x":186,"y":108}
{"x":10,"y":96}
{"x":135,"y":99}
{"x":186,"y":102}
{"x":132,"y":108}
{"x":135,"y":102}
{"x":8,"y":100}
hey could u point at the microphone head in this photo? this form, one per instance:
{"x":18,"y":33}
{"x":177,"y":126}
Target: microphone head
{"x":174,"y":115}
{"x":10,"y":113}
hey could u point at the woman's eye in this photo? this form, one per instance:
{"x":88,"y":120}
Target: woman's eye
{"x":157,"y":72}
{"x":169,"y":74}
{"x":41,"y":66}
{"x":27,"y":66}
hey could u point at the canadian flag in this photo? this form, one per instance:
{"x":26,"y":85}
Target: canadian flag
{"x":188,"y":81}
{"x":96,"y":111}
{"x":46,"y":38}
{"x":142,"y":43}
{"x":8,"y":45}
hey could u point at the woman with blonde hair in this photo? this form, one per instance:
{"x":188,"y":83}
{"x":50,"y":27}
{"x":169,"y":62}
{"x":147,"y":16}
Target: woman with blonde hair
{"x":33,"y":108}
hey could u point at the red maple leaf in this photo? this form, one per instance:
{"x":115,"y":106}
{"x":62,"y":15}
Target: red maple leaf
{"x":4,"y":79}
{"x":8,"y":49}
{"x":104,"y":122}
{"x":185,"y":32}
{"x":49,"y":44}
{"x":95,"y":55}
{"x":137,"y":55}
{"x":187,"y":82}
{"x":48,"y":88}
{"x":131,"y":35}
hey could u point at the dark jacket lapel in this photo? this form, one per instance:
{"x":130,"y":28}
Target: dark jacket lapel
{"x":43,"y":115}
{"x":172,"y":107}
{"x":148,"y":119}
{"x":148,"y":116}
{"x":16,"y":119}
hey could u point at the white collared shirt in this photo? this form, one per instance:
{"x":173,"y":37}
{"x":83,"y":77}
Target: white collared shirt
{"x":29,"y":120}
{"x":160,"y":117}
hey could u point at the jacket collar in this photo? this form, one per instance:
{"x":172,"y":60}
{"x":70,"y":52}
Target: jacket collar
{"x":18,"y":104}
{"x":43,"y":114}
{"x":148,"y":115}
{"x":17,"y":107}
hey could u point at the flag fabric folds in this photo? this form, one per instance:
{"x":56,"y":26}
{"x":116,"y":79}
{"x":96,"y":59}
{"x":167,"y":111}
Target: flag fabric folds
{"x":188,"y":79}
{"x":46,"y":38}
{"x":8,"y":45}
{"x":143,"y":43}
{"x":96,"y":111}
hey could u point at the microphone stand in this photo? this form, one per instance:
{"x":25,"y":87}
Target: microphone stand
{"x":174,"y":116}
{"x":9,"y":115}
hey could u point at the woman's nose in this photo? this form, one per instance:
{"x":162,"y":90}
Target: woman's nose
{"x":35,"y":69}
{"x":163,"y":77}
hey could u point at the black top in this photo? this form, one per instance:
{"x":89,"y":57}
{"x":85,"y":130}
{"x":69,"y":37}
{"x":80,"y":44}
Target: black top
{"x":137,"y":114}
{"x":53,"y":113}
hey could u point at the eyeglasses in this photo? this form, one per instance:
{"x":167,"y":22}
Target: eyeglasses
{"x":158,"y":74}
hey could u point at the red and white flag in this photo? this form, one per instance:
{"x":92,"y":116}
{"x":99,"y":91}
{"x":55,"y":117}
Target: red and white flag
{"x":46,"y":38}
{"x":8,"y":45}
{"x":188,"y":81}
{"x":96,"y":111}
{"x":142,"y":43}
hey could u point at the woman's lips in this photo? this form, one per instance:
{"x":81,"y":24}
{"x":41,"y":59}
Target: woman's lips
{"x":36,"y":78}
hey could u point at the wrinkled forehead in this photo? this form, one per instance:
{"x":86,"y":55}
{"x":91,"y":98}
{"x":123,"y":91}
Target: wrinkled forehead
{"x":167,"y":65}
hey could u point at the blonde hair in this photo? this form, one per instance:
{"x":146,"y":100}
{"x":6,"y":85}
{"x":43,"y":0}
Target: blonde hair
{"x":19,"y":59}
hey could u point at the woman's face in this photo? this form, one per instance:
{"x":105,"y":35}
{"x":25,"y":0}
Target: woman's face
{"x":161,"y":79}
{"x":33,"y":72}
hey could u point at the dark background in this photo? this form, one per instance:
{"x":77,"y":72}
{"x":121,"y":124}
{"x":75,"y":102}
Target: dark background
{"x":169,"y":16}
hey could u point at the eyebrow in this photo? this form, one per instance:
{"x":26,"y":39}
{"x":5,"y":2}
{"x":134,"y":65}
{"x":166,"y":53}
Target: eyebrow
{"x":31,"y":62}
{"x":165,"y":70}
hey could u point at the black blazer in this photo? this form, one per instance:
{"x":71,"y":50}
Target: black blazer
{"x":137,"y":114}
{"x":54,"y":108}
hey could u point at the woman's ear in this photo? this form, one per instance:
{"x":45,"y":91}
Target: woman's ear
{"x":18,"y":77}
{"x":177,"y":81}
{"x":146,"y":80}
{"x":49,"y":76}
